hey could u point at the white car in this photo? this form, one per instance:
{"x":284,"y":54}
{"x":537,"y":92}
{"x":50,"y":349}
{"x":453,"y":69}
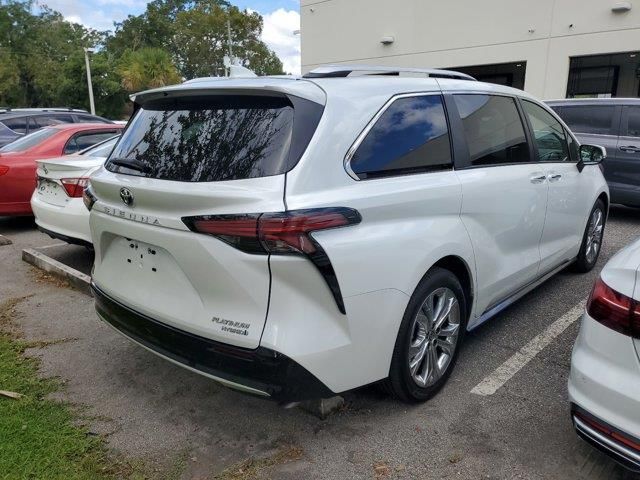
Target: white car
{"x":57,"y":200}
{"x":604,"y":385}
{"x":300,"y":237}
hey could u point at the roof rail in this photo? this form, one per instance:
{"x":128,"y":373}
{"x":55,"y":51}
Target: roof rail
{"x":43,"y":109}
{"x":328,"y":71}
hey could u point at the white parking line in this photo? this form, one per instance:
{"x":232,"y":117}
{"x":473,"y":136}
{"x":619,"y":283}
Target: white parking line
{"x":514,"y":364}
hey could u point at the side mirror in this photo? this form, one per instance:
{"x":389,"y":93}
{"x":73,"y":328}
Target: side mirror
{"x":591,"y":155}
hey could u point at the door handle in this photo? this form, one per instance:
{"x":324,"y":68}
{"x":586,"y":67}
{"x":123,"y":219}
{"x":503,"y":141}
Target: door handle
{"x":630,"y":148}
{"x":538,"y":178}
{"x":554,"y":177}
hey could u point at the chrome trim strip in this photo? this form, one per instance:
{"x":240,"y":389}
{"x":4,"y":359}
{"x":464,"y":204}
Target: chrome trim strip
{"x":226,"y":383}
{"x":372,"y":122}
{"x":518,"y":294}
{"x":606,"y":442}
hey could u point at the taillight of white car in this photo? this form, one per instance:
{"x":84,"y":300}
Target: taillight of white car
{"x":614,"y":310}
{"x":75,"y":186}
{"x":283,"y":233}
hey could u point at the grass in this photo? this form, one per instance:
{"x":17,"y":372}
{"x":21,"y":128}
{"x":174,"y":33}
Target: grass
{"x":39,"y":438}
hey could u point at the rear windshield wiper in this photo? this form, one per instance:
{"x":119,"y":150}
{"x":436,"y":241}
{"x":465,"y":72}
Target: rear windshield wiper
{"x":131,"y":164}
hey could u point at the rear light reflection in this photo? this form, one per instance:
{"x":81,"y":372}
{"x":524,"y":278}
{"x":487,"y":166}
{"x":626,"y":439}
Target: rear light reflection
{"x":609,"y":432}
{"x":88,"y":198}
{"x":75,"y":186}
{"x":614,"y":310}
{"x":3,"y":169}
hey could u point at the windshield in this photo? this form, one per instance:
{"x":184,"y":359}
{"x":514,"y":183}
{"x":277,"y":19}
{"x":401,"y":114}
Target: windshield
{"x":102,"y":149}
{"x":28,"y":141}
{"x":210,"y":139}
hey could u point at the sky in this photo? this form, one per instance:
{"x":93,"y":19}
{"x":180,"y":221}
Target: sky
{"x":281,"y":18}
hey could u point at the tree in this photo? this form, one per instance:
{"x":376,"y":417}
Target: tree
{"x":33,"y":52}
{"x":196,"y":35}
{"x":147,"y":68}
{"x":109,"y":95}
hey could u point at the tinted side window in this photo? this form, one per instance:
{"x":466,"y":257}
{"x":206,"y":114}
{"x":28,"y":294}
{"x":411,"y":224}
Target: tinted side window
{"x":18,"y":125}
{"x":633,"y":122}
{"x":46,"y":120}
{"x":493,"y":129}
{"x":411,"y":136}
{"x":548,"y":134}
{"x":89,"y":119}
{"x":596,"y":119}
{"x":85,"y":140}
{"x":573,"y":147}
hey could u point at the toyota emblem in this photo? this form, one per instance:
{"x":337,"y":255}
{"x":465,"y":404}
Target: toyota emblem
{"x":126,"y":196}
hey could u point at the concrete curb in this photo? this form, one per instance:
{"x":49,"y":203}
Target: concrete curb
{"x":4,"y":240}
{"x":76,"y":279}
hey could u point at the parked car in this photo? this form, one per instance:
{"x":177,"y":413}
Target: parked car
{"x":57,"y":200}
{"x":23,"y":121}
{"x":604,"y":385}
{"x":18,"y":159}
{"x":613,"y":123}
{"x":300,"y":237}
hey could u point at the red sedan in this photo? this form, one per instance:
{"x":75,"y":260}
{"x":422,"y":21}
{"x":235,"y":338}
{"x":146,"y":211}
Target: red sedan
{"x":18,"y":159}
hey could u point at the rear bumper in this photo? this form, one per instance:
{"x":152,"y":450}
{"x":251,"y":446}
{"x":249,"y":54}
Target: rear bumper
{"x":64,"y":238}
{"x":262,"y":371}
{"x":606,"y":438}
{"x":69,"y":223}
{"x":604,"y":391}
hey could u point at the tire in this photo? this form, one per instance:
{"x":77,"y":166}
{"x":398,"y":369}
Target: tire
{"x":592,"y":238}
{"x":416,"y":329}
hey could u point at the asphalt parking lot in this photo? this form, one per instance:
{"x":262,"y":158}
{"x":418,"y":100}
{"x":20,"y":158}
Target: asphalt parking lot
{"x":482,"y":424}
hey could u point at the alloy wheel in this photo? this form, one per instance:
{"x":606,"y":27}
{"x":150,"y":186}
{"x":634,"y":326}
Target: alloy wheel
{"x":434,"y":337}
{"x":594,"y":235}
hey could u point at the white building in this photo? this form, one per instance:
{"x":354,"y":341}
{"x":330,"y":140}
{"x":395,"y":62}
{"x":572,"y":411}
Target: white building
{"x":551,"y":48}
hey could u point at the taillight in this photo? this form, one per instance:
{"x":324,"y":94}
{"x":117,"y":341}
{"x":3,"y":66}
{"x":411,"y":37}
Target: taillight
{"x":281,"y":233}
{"x":614,"y":310}
{"x":75,"y":186}
{"x":88,"y":198}
{"x":3,"y":169}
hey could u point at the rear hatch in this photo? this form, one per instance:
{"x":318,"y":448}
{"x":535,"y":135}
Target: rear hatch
{"x":54,"y":173}
{"x":184,"y":156}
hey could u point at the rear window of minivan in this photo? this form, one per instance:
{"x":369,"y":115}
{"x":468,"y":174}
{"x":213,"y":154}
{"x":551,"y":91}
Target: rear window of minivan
{"x":216,"y":138}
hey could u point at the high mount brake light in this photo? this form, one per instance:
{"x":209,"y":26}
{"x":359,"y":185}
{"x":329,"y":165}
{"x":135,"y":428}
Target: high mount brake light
{"x":75,"y":186}
{"x":614,"y":310}
{"x":280,"y":234}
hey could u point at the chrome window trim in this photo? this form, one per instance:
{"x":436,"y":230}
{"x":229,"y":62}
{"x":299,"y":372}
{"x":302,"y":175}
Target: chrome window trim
{"x":360,"y":138}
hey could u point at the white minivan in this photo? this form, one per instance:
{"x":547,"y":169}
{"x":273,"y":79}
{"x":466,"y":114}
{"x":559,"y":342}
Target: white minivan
{"x":297,"y":237}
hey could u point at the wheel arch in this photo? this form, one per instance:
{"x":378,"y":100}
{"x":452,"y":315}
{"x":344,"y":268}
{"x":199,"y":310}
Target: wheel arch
{"x":460,"y":268}
{"x":605,"y":198}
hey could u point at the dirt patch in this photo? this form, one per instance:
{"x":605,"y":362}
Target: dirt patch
{"x":253,"y":468}
{"x":43,"y":277}
{"x":8,"y":312}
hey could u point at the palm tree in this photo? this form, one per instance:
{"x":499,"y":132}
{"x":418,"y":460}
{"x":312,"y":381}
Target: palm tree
{"x":147,"y":68}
